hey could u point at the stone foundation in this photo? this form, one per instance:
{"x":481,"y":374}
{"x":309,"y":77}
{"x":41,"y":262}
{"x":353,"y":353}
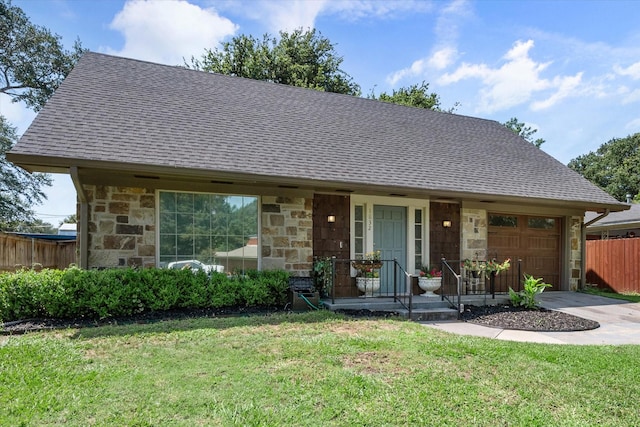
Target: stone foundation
{"x":287,"y":234}
{"x":122,"y":230}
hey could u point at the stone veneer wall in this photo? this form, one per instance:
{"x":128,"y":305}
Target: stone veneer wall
{"x":287,"y":234}
{"x":575,"y":256}
{"x":474,"y":234}
{"x":122,"y":226}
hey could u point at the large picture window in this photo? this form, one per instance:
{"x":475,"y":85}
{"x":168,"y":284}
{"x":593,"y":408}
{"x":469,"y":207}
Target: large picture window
{"x":218,"y":230}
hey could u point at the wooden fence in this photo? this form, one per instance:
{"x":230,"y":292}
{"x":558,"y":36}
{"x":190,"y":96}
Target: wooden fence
{"x":17,"y":252}
{"x":614,"y":263}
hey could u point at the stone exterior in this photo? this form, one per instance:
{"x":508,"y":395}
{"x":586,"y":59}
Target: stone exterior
{"x":474,"y":234}
{"x":575,"y":255}
{"x":122,"y":228}
{"x":287,"y":234}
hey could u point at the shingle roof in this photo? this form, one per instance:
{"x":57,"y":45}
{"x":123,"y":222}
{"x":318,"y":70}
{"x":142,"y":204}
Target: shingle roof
{"x":615,"y":219}
{"x":117,"y":110}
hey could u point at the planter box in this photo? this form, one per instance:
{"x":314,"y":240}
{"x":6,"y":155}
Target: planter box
{"x":298,"y":303}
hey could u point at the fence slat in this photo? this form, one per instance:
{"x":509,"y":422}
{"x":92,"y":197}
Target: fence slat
{"x":18,"y":251}
{"x":614,"y":263}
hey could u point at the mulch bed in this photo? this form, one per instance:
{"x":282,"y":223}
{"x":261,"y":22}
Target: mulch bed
{"x":499,"y":316}
{"x":506,"y":316}
{"x":40,"y":324}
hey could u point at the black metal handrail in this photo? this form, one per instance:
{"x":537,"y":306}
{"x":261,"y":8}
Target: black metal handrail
{"x":406,"y":298}
{"x":492,"y":284}
{"x":451,"y":288}
{"x":399,"y":276}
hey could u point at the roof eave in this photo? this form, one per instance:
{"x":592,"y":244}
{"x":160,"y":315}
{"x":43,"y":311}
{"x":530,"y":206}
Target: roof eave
{"x":158,"y":173}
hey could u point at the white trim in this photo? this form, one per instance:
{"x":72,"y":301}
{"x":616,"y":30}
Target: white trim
{"x":411,"y":205}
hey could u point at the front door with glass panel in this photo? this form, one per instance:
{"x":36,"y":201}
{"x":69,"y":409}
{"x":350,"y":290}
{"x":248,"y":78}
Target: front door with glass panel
{"x":390,"y":238}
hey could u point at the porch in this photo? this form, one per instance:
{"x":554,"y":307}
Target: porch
{"x":422,"y":308}
{"x":390,"y":288}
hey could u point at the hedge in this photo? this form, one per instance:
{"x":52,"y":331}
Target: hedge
{"x":100,"y":294}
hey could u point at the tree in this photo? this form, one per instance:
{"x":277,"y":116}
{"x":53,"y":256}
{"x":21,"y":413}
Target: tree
{"x":36,"y":226}
{"x":32,"y":60}
{"x":614,"y":167}
{"x":19,"y":190}
{"x":414,"y":96}
{"x":525,"y":132}
{"x":301,"y":58}
{"x":32,"y":65}
{"x":71,"y":219}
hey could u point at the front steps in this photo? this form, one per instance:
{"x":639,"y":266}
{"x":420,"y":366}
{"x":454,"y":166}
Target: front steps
{"x":424,"y":309}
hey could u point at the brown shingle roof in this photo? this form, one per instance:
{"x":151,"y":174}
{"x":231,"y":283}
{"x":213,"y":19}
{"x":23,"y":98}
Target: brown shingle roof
{"x":117,"y":110}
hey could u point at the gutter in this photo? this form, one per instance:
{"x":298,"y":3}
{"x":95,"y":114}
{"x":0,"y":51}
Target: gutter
{"x":83,"y":232}
{"x":583,"y":245}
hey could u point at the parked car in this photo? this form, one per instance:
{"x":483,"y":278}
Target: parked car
{"x":195,"y":265}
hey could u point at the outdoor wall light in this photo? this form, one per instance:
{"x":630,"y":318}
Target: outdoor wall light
{"x":331,"y":218}
{"x":446,"y":223}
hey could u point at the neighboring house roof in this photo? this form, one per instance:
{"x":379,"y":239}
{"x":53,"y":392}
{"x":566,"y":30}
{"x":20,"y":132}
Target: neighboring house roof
{"x":245,"y":252}
{"x":113,"y":113}
{"x":629,"y":219}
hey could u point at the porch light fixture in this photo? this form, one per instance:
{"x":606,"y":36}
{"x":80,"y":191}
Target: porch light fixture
{"x":446,"y":223}
{"x":331,"y":218}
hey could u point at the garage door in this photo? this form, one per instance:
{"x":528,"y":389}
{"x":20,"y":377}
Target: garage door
{"x":533,"y":239}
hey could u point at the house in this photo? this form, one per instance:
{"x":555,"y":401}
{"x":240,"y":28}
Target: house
{"x":67,"y":229}
{"x":172,"y":164}
{"x":615,"y":225}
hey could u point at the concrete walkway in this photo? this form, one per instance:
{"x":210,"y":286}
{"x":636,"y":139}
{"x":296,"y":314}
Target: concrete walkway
{"x":619,"y":322}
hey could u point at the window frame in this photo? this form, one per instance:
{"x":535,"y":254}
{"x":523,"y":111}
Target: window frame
{"x":158,"y":215}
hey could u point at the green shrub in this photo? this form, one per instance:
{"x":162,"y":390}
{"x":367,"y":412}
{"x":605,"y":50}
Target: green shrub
{"x":108,"y":293}
{"x":225,"y":291}
{"x":526,"y":297}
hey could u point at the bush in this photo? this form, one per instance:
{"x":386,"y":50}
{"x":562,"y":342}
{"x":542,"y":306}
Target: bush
{"x":526,"y":297}
{"x":75,"y":293}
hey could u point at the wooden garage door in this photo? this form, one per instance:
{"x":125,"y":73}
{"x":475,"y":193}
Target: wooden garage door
{"x":533,"y":239}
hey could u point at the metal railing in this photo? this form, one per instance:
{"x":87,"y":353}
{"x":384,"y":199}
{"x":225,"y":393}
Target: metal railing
{"x":451,"y":288}
{"x":491,"y":284}
{"x":384,"y":278}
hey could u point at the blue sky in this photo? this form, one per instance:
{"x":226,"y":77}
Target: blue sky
{"x":571,"y":69}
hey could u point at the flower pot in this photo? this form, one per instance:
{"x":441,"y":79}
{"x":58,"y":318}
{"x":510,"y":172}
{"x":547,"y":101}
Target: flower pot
{"x":368,"y":285}
{"x":429,"y":284}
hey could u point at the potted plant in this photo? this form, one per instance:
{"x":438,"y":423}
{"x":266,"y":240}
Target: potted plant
{"x":368,"y":274}
{"x":472,"y":267}
{"x":430,"y":280}
{"x":493,"y":267}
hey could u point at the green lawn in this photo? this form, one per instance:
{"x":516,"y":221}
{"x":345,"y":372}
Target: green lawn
{"x":308,"y":369}
{"x":631,"y":297}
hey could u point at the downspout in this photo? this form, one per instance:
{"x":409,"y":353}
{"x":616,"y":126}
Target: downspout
{"x":583,"y":245}
{"x":83,"y":232}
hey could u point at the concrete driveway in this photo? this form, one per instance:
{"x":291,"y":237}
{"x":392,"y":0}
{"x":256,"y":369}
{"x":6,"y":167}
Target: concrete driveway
{"x":619,"y":322}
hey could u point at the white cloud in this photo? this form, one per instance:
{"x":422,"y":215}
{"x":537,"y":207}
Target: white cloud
{"x":442,"y":58}
{"x":168,"y":31}
{"x":631,"y":97}
{"x":438,"y":60}
{"x":417,"y":68}
{"x":445,"y":51}
{"x":16,"y":113}
{"x":515,"y":82}
{"x":292,"y":14}
{"x":289,"y":15}
{"x":632,"y":71}
{"x":633,"y":125}
{"x":567,"y":86}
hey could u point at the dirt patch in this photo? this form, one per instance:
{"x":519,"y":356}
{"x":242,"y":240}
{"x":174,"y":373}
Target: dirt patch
{"x":506,"y":316}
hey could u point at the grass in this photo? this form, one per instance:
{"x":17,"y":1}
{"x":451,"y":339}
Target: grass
{"x":632,"y":297}
{"x":308,"y":369}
